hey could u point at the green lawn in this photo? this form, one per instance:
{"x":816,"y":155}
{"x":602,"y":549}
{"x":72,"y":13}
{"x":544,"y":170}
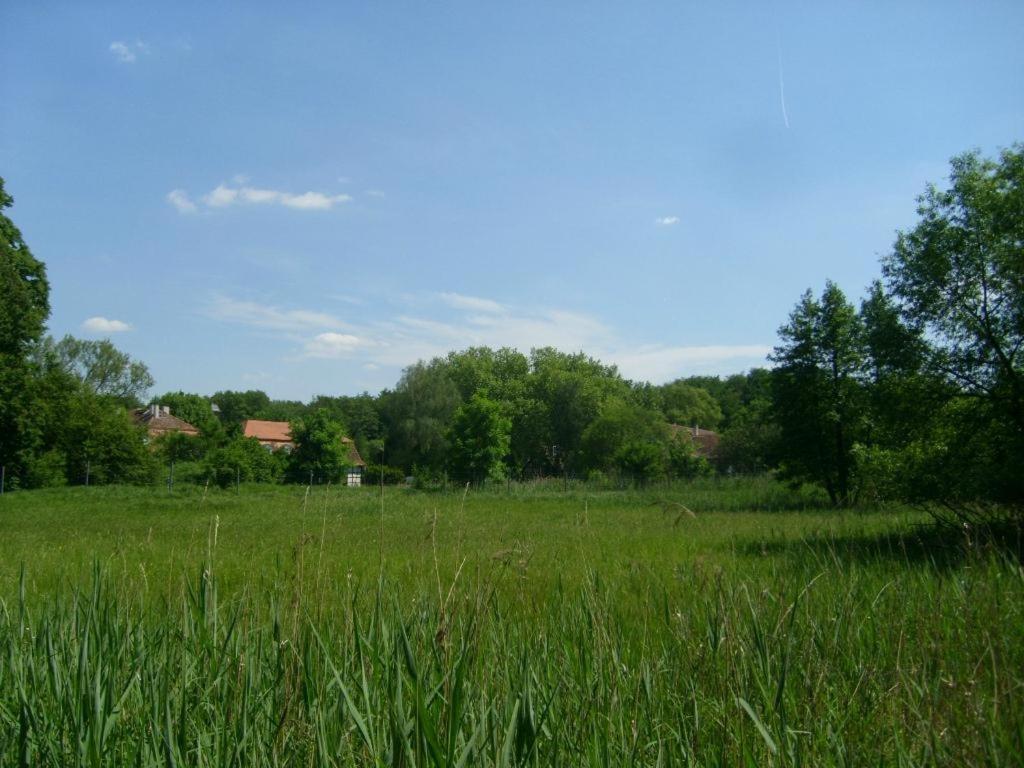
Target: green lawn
{"x":527,"y":625}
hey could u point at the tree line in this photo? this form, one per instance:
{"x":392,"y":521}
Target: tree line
{"x":915,"y":393}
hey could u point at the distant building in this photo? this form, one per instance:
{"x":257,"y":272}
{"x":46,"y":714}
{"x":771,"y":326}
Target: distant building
{"x":705,"y":442}
{"x":158,"y":421}
{"x":277,"y":436}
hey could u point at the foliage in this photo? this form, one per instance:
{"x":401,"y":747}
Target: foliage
{"x":417,"y":413}
{"x":24,"y":307}
{"x":817,"y":392}
{"x":479,"y":440}
{"x":102,"y":444}
{"x":688,"y":405}
{"x":243,"y":459}
{"x":958,"y":278}
{"x":319,"y":452}
{"x":570,"y":390}
{"x":682,"y":461}
{"x":619,"y":426}
{"x":392,"y":475}
{"x":177,"y":446}
{"x":640,"y":461}
{"x":236,"y":407}
{"x":25,"y":290}
{"x":100,"y":366}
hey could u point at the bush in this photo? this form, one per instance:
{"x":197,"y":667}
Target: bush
{"x":243,"y":459}
{"x":392,"y":475}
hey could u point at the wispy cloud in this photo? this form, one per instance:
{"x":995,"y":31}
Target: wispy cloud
{"x":239,"y":193}
{"x":128,"y":53}
{"x":407,"y":337}
{"x":103,"y":325}
{"x":375,"y":193}
{"x":474,"y":303}
{"x":658,"y":363}
{"x":181,"y":201}
{"x":270,"y":317}
{"x":667,"y":221}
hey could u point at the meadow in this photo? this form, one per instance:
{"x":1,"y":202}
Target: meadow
{"x":718,"y":622}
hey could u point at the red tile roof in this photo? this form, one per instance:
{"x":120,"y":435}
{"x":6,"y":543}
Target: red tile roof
{"x":271,"y":431}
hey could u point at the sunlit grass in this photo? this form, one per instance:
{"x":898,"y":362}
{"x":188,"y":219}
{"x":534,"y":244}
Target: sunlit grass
{"x":532,"y":627}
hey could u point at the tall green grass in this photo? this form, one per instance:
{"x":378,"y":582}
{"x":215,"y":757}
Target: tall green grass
{"x":606,"y":632}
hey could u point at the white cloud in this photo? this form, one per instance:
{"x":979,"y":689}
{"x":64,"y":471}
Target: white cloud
{"x":224,"y":195}
{"x":267,"y":316}
{"x":220,"y":196}
{"x":102,"y":325}
{"x":127,"y":53}
{"x":667,"y":221}
{"x":657,"y":363}
{"x":179,"y":199}
{"x":375,"y":193}
{"x":313,"y":201}
{"x":333,"y":345}
{"x":458,"y":301}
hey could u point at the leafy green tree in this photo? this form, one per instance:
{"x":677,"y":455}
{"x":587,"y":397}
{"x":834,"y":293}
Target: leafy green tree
{"x":174,"y":447}
{"x":319,"y":452}
{"x":957,"y":280}
{"x":959,"y":275}
{"x":479,"y":440}
{"x":243,"y":459}
{"x":640,"y":461}
{"x":283,"y":410}
{"x":361,"y":416}
{"x":24,"y":308}
{"x":24,"y":287}
{"x":620,"y":423}
{"x":685,"y":404}
{"x":236,"y":407}
{"x":102,"y":367}
{"x":570,"y":390}
{"x":102,"y":444}
{"x":417,"y":414}
{"x":818,"y":395}
{"x":682,"y":461}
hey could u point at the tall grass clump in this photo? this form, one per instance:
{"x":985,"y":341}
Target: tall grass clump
{"x":821,"y":659}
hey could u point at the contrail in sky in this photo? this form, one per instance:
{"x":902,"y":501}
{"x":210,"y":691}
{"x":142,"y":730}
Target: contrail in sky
{"x":782,"y":82}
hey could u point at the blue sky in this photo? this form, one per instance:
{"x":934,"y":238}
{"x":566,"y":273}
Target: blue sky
{"x":307,"y":200}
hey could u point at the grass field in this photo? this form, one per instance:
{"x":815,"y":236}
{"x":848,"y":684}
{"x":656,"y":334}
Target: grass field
{"x":715,"y":623}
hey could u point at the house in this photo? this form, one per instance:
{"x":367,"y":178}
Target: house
{"x":277,"y":436}
{"x":705,"y":442}
{"x":158,"y":420}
